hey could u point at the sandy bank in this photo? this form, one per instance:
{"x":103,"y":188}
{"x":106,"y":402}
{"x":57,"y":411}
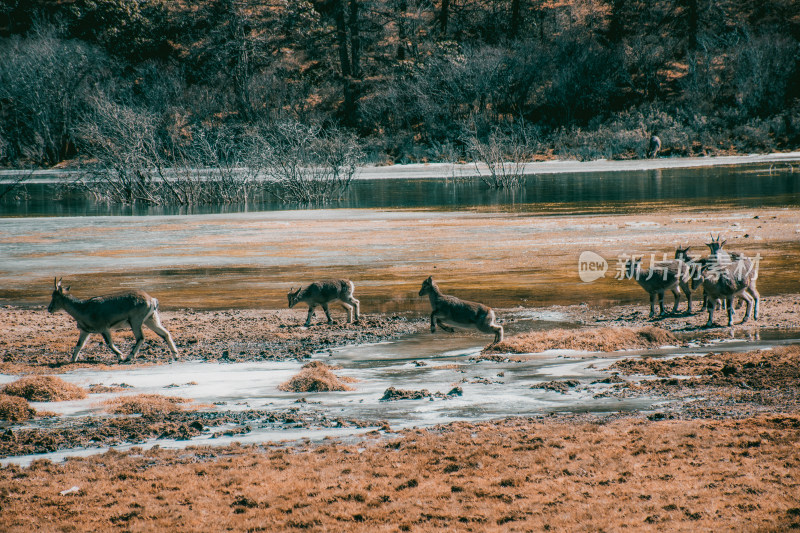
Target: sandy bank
{"x":464,"y":170}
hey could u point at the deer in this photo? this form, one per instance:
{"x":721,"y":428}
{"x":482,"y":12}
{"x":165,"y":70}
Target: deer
{"x":727,"y":281}
{"x":692,"y":276}
{"x":451,"y":311}
{"x":324,"y":292}
{"x":654,"y":146}
{"x":103,"y":314}
{"x":661,"y":277}
{"x":720,"y":257}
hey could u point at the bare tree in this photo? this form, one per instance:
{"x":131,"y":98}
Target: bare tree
{"x":307,"y":164}
{"x":503,"y":155}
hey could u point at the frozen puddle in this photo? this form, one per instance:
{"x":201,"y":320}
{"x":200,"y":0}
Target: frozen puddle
{"x":437,"y":363}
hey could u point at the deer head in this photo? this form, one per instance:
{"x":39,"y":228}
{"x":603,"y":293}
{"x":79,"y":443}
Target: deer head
{"x":428,"y":286}
{"x":294,"y":297}
{"x":57,"y":298}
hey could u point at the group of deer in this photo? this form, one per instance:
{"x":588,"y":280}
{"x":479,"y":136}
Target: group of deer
{"x":133,"y":309}
{"x":724,"y":276}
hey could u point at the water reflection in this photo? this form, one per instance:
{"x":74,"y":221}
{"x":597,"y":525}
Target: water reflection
{"x":600,"y":192}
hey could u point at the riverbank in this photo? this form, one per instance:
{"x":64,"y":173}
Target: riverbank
{"x":567,"y":473}
{"x":39,"y":342}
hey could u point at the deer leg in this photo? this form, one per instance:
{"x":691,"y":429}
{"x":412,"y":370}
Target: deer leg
{"x":498,"y":334}
{"x":756,"y":297}
{"x":78,"y":347}
{"x":327,"y":313}
{"x":139,"y":336}
{"x":661,"y":303}
{"x":356,"y":305}
{"x":444,"y":326}
{"x":687,"y":291}
{"x":349,"y":309}
{"x":652,"y":304}
{"x":710,"y":308}
{"x":310,"y":314}
{"x":107,"y":337}
{"x":154,"y":322}
{"x":749,"y":301}
{"x":729,"y":301}
{"x":433,"y":322}
{"x":677,"y":294}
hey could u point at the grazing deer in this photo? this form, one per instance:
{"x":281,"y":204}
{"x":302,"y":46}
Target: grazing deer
{"x":102,"y":314}
{"x":661,"y":277}
{"x":324,"y":292}
{"x":654,"y":147}
{"x":727,"y":281}
{"x":451,"y":311}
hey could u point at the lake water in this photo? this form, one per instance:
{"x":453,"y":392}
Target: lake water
{"x":598,"y":192}
{"x":507,"y":248}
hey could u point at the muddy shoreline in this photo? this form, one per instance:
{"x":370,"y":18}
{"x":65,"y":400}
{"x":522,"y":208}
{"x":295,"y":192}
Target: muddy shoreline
{"x":725,"y":422}
{"x":37,"y":341}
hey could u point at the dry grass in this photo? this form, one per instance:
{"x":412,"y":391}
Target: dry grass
{"x":316,"y":376}
{"x":44,"y":389}
{"x":594,"y":340}
{"x":563,"y":474}
{"x":15,"y":409}
{"x":145,"y":404}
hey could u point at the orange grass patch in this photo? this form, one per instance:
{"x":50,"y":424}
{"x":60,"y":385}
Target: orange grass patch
{"x":15,"y":409}
{"x":316,"y":376}
{"x":594,"y":339}
{"x":561,"y":474}
{"x":44,"y":389}
{"x":145,"y":404}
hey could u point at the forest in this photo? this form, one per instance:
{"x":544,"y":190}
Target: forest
{"x":404,"y":80}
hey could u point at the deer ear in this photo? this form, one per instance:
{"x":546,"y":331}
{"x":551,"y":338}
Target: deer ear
{"x":67,"y":289}
{"x":722,"y":244}
{"x":55,"y":284}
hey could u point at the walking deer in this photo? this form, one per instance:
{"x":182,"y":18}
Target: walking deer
{"x":451,"y":311}
{"x":661,"y":277}
{"x":102,"y":314}
{"x":324,"y":292}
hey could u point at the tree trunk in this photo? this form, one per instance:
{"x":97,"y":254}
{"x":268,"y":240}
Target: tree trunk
{"x":355,"y":41}
{"x":516,"y":18}
{"x":692,"y":22}
{"x":444,"y":14}
{"x":341,"y":38}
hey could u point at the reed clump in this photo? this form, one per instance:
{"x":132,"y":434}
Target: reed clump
{"x":15,"y":409}
{"x":145,"y":404}
{"x":593,"y":339}
{"x":316,"y":376}
{"x":44,"y":389}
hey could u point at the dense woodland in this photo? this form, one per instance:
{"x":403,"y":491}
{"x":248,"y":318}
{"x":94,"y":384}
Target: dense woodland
{"x":409,"y":80}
